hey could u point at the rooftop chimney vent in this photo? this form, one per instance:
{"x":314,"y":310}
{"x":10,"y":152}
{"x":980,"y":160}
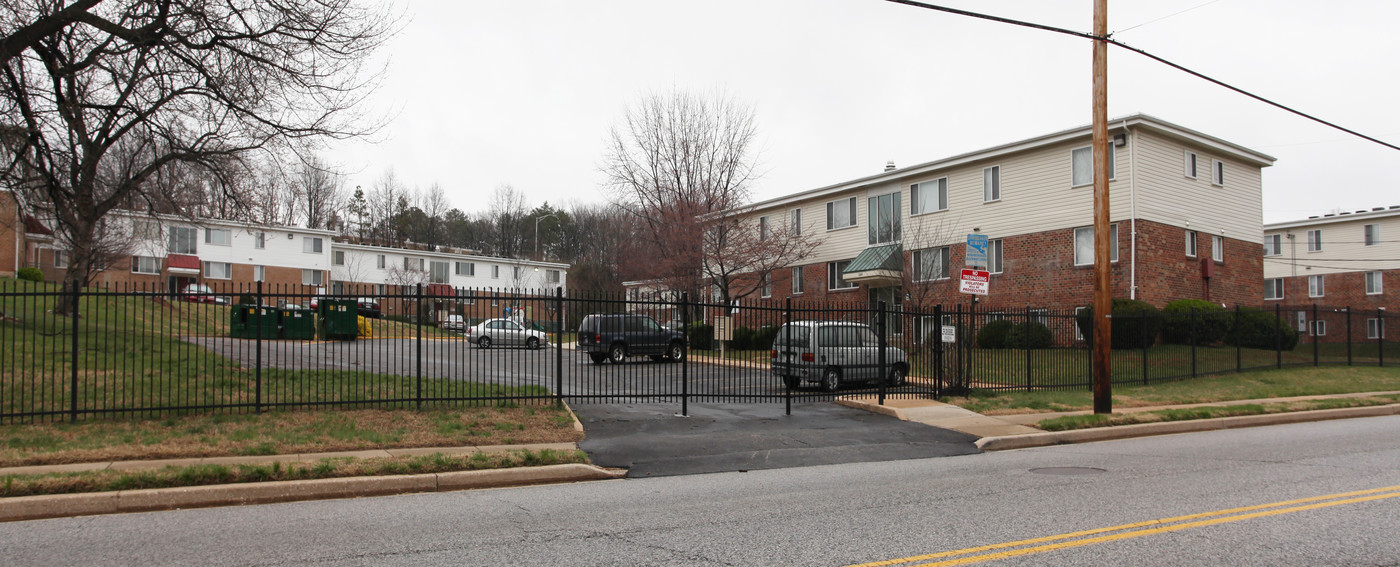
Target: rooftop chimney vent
{"x":889,"y":165}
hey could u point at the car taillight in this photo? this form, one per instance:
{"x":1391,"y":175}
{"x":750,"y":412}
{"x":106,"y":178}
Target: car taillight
{"x":808,"y":357}
{"x":773,"y":355}
{"x":597,"y":338}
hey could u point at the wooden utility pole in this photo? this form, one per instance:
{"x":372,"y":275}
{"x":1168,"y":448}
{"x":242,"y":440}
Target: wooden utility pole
{"x":1103,"y":288}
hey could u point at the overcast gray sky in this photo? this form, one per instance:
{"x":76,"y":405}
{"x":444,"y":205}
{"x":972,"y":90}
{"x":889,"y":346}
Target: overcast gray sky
{"x":481,"y":94}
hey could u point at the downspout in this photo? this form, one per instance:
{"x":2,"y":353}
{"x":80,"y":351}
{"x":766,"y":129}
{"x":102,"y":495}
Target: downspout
{"x":1132,"y":193}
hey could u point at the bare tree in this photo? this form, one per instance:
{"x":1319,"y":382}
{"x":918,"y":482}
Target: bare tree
{"x":742,"y":251}
{"x":507,"y":211}
{"x":317,"y":192}
{"x":434,"y":205}
{"x":200,"y":84}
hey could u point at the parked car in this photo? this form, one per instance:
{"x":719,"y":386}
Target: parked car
{"x":505,"y":332}
{"x":617,"y":336}
{"x":453,"y":323}
{"x":832,"y":353}
{"x":200,"y":293}
{"x":369,"y":307}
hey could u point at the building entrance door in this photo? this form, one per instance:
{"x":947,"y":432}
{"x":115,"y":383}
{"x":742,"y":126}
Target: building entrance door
{"x":894,"y":302}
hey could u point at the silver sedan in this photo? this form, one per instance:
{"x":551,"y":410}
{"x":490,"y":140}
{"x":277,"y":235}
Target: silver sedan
{"x":506,"y":332}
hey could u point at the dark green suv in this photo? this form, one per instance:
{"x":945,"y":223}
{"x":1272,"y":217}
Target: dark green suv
{"x":618,"y":336}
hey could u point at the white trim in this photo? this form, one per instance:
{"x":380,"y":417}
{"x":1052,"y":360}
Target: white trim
{"x":1191,"y":166}
{"x":996,"y":185}
{"x":1270,"y":283}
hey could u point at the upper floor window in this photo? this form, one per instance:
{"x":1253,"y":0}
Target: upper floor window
{"x":145,"y":229}
{"x":1315,"y":240}
{"x":1217,"y":172}
{"x":931,"y":264}
{"x":1191,"y":164}
{"x":183,"y":240}
{"x":515,"y":272}
{"x":994,"y":259}
{"x":841,"y":214}
{"x":413,"y":264}
{"x":796,"y":227}
{"x":1191,"y":243}
{"x":260,"y":240}
{"x":1084,"y":245}
{"x":1082,"y":165}
{"x":991,"y":184}
{"x":218,"y":236}
{"x":380,"y":262}
{"x":437,"y":272}
{"x":929,"y":196}
{"x":762,"y":228}
{"x":311,"y":245}
{"x":884,"y":223}
{"x":338,"y":258}
{"x":1273,"y":244}
{"x":465,"y":269}
{"x":495,"y":272}
{"x":1371,"y":234}
{"x":551,"y":276}
{"x":765,"y":286}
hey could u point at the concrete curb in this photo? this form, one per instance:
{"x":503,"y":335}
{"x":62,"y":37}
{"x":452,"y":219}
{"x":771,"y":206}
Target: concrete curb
{"x":65,"y":505}
{"x":1008,"y":442}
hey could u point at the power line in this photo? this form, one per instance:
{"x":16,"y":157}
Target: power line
{"x":1143,"y":53}
{"x":1167,"y":16}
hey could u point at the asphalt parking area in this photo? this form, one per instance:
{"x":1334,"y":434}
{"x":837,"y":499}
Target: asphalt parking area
{"x":652,"y":440}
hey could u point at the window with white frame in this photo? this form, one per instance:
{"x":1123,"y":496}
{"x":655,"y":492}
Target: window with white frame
{"x":1315,"y":240}
{"x":515,"y":272}
{"x":1315,"y":286}
{"x":841,"y":214}
{"x":551,"y":276}
{"x":1273,"y":244}
{"x":437,"y":272}
{"x":311,"y":245}
{"x":260,"y":240}
{"x":495,"y":272}
{"x":60,"y":258}
{"x":1319,"y":328}
{"x":1373,"y":283}
{"x":795,"y":222}
{"x":381,"y":263}
{"x":183,"y":240}
{"x":834,"y":279}
{"x":1217,"y":172}
{"x":991,"y":184}
{"x":1217,"y":248}
{"x":465,"y":269}
{"x":994,"y":257}
{"x":145,"y":265}
{"x":931,"y":264}
{"x":1084,"y":245}
{"x":218,"y":237}
{"x":218,"y":270}
{"x":1371,"y":234}
{"x":413,"y":264}
{"x":311,"y":277}
{"x":338,"y":258}
{"x":797,"y":283}
{"x":765,"y":286}
{"x":1082,"y":165}
{"x":1191,"y":164}
{"x":1273,"y":288}
{"x":1375,"y":328}
{"x":145,"y":229}
{"x":884,"y":222}
{"x":1191,"y":243}
{"x":259,"y":273}
{"x":762,"y":228}
{"x":1039,"y":315}
{"x":929,"y":196}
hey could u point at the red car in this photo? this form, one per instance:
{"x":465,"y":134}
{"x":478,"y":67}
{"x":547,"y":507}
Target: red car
{"x":200,"y":293}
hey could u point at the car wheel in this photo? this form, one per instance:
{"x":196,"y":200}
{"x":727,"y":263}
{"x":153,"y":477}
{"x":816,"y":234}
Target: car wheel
{"x":483,"y":342}
{"x":831,"y":379}
{"x":676,"y":352}
{"x":532,"y":343}
{"x":617,"y":354}
{"x":897,"y":376}
{"x":792,"y":382}
{"x":597,"y":357}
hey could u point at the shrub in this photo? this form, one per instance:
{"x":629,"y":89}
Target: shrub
{"x":30,"y":273}
{"x":1211,"y":322}
{"x":763,"y":338}
{"x":1256,"y":328}
{"x":701,"y":335}
{"x":1135,"y":323}
{"x":246,"y":299}
{"x":1029,"y":334}
{"x":743,"y":339}
{"x":993,"y":334}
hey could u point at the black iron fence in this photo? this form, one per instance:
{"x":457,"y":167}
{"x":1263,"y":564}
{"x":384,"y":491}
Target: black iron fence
{"x":143,"y":352}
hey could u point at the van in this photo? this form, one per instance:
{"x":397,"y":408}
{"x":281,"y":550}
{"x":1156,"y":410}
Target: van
{"x":832,"y":353}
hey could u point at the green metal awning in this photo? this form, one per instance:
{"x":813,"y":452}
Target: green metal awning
{"x":876,"y":265}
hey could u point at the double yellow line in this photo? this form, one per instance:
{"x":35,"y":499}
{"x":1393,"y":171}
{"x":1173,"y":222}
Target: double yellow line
{"x":1139,"y":529}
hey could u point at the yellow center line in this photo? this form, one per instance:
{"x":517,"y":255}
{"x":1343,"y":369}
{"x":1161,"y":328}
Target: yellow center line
{"x":1365,"y":495}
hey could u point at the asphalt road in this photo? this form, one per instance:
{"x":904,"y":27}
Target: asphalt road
{"x":832,"y":515}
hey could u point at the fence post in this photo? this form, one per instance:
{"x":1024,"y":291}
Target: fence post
{"x":938,"y":351}
{"x":685,"y":362}
{"x":1313,"y":331}
{"x":1380,"y":337}
{"x":559,"y":345}
{"x":880,"y":328}
{"x":787,"y":328}
{"x":418,"y":370}
{"x":1193,"y":339}
{"x":1278,"y":334}
{"x":1239,"y":364}
{"x":1348,"y":310}
{"x":257,"y":366}
{"x":1027,"y":344}
{"x":73,"y":361}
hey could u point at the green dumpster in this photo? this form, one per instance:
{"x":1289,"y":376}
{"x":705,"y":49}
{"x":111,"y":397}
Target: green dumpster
{"x":298,"y":324}
{"x":238,"y":321}
{"x":339,"y":319}
{"x":259,"y":317}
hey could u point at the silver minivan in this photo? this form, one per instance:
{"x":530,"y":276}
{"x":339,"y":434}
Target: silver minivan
{"x":832,"y":353}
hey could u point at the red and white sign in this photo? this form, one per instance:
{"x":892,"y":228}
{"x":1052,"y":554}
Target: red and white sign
{"x":975,"y":281}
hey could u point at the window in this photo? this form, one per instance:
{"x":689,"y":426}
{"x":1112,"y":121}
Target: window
{"x":928,"y":197}
{"x":259,"y":273}
{"x":762,"y":229}
{"x":1373,"y":283}
{"x":60,"y":259}
{"x":380,"y":262}
{"x":311,"y":277}
{"x":1319,"y":328}
{"x":1082,"y":165}
{"x":1191,"y":164}
{"x":765,"y":288}
{"x":515,"y":272}
{"x":338,"y":258}
{"x":1273,"y":288}
{"x":145,"y":265}
{"x":145,"y":229}
{"x":931,"y":264}
{"x":1084,"y":245}
{"x":797,"y":280}
{"x":1315,"y":288}
{"x":841,"y":214}
{"x":1217,"y":172}
{"x":218,"y":270}
{"x":218,"y":236}
{"x":437,"y":272}
{"x":413,"y":264}
{"x":551,"y":276}
{"x":1217,"y":248}
{"x":495,"y":272}
{"x":465,"y":269}
{"x":1375,"y":328}
{"x":991,"y":184}
{"x":884,"y":212}
{"x":1078,"y":335}
{"x":994,"y":259}
{"x":182,"y":240}
{"x":796,"y":227}
{"x":260,"y":240}
{"x":1273,"y":244}
{"x":1371,"y":234}
{"x":834,"y":279}
{"x":311,"y":245}
{"x":1191,"y":243}
{"x":1315,"y":240}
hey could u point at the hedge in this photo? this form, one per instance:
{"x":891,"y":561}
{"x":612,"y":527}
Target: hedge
{"x":1256,"y":328}
{"x":1029,"y":334}
{"x":1211,"y":322}
{"x":1136,"y":324}
{"x":993,"y":334}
